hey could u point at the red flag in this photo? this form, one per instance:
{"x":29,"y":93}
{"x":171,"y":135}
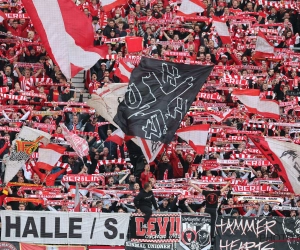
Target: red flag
{"x":285,"y":157}
{"x":70,"y":39}
{"x":191,"y":7}
{"x":108,"y":5}
{"x":222,"y":30}
{"x":49,"y":155}
{"x":134,"y":44}
{"x":123,"y":72}
{"x":263,"y":48}
{"x":117,"y":137}
{"x":195,"y":136}
{"x":250,"y":98}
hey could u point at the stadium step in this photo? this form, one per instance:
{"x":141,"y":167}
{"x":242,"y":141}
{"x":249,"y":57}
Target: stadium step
{"x":79,"y":82}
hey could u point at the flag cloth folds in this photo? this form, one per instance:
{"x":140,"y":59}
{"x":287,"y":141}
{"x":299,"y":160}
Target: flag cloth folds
{"x":250,"y":98}
{"x":191,"y":7}
{"x":108,"y":5}
{"x":123,"y":72}
{"x":106,"y":100}
{"x":117,"y":137}
{"x":158,"y":96}
{"x":80,"y":145}
{"x":134,"y":44}
{"x":222,"y":30}
{"x":149,"y":148}
{"x":23,"y":146}
{"x":219,"y":116}
{"x":2,"y":16}
{"x":195,"y":136}
{"x":285,"y":158}
{"x":49,"y":156}
{"x":263,"y":48}
{"x":66,"y":33}
{"x":77,"y":205}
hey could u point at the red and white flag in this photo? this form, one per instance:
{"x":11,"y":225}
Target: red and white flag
{"x":191,"y":8}
{"x":123,"y":71}
{"x":285,"y":158}
{"x":108,"y":5}
{"x":195,"y":136}
{"x":2,"y":16}
{"x":49,"y":156}
{"x":77,"y":205}
{"x":149,"y":148}
{"x":117,"y":137}
{"x":263,"y":48}
{"x":107,"y":99}
{"x":219,"y":116}
{"x":250,"y":98}
{"x":80,"y":145}
{"x":222,"y":30}
{"x":66,"y":33}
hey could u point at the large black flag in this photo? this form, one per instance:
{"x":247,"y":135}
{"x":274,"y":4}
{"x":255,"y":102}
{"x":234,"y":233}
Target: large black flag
{"x":158,"y":96}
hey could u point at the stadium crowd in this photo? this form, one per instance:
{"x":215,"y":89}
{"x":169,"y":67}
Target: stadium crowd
{"x":26,"y":68}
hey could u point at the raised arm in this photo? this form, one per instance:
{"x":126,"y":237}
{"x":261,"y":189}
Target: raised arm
{"x":196,"y":187}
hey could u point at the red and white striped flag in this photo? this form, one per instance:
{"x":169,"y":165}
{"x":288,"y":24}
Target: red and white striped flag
{"x":69,"y":39}
{"x":250,"y":98}
{"x":285,"y":157}
{"x":117,"y":137}
{"x":80,"y":145}
{"x":49,"y":156}
{"x":149,"y":148}
{"x":263,"y":48}
{"x":222,"y":30}
{"x":195,"y":136}
{"x":108,"y":5}
{"x":190,"y":8}
{"x":123,"y":71}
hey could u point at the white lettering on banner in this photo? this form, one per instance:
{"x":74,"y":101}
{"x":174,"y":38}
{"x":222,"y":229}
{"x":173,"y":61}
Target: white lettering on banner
{"x":65,"y":228}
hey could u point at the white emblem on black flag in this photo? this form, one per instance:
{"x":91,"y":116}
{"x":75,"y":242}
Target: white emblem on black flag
{"x":158,"y":96}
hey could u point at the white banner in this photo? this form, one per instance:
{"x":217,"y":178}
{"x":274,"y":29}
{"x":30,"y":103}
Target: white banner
{"x":64,"y":228}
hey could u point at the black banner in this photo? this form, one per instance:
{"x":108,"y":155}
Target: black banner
{"x":149,"y":246}
{"x":158,"y":96}
{"x":257,"y":233}
{"x":293,"y":93}
{"x":161,"y":227}
{"x":9,"y":245}
{"x":195,"y":230}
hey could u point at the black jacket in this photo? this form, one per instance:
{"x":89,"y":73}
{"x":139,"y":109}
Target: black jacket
{"x":145,"y":199}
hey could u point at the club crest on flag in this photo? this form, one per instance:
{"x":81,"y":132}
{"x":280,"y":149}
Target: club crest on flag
{"x":28,"y":146}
